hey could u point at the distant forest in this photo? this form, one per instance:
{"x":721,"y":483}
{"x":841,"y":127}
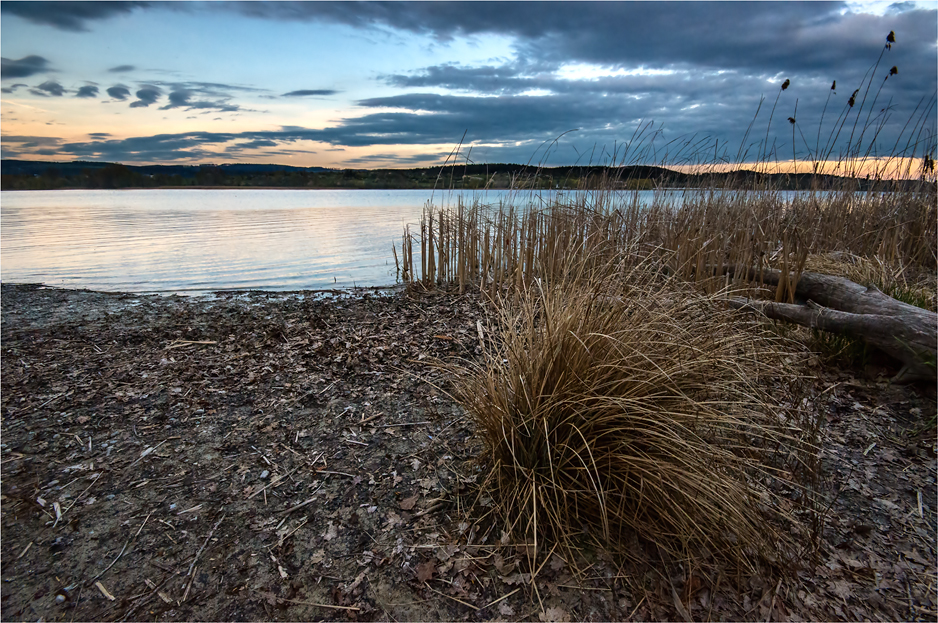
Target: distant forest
{"x":34,"y":175}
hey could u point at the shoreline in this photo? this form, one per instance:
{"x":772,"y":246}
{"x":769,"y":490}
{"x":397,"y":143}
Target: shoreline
{"x":218,"y":188}
{"x":351,"y":291}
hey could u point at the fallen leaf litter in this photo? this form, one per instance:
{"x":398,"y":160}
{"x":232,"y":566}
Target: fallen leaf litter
{"x":292,"y":456}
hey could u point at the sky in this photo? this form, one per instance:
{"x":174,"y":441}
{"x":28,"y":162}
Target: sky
{"x":374,"y":84}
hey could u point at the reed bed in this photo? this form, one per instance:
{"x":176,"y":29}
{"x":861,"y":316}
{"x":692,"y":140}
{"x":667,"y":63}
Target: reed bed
{"x":696,"y":232}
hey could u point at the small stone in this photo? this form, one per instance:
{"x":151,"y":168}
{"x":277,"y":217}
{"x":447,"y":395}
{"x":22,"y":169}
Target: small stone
{"x":264,"y":474}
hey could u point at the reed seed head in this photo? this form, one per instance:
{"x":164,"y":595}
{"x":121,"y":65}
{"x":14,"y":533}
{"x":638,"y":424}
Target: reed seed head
{"x":786,"y":84}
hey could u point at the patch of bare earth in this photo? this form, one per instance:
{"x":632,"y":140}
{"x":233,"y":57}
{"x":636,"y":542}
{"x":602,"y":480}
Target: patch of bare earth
{"x":293,"y":457}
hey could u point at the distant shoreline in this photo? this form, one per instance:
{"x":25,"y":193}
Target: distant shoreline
{"x":37,"y":175}
{"x":28,"y":190}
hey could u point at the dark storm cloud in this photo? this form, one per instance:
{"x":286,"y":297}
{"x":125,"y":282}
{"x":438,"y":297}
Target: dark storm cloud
{"x":433,"y":118}
{"x":220,"y":86}
{"x":182,"y":98}
{"x":23,"y":67}
{"x":121,"y":69}
{"x":30,"y":141}
{"x":766,"y":36}
{"x":13,"y":87}
{"x":386,"y":159}
{"x":162,"y":147}
{"x":759,"y":39}
{"x":257,"y":143}
{"x":178,"y":98}
{"x":693,"y":113}
{"x":146,"y":96}
{"x":236,"y":152}
{"x":119,"y":92}
{"x":443,"y":20}
{"x":512,"y":79}
{"x":87,"y":91}
{"x":310,"y":93}
{"x":72,"y":16}
{"x":49,"y":88}
{"x":508,"y":78}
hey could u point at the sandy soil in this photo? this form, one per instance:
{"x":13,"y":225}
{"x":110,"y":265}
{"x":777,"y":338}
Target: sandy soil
{"x":293,"y":456}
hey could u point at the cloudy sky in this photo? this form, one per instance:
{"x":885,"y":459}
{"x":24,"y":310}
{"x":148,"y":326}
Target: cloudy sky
{"x":398,"y":85}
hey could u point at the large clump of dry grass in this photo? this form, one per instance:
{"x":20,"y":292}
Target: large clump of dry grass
{"x":632,"y":409}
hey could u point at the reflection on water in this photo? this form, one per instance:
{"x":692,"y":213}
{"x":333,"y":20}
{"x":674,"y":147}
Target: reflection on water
{"x":202,"y":240}
{"x":205,"y":240}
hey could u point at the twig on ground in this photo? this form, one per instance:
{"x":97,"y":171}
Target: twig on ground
{"x":75,"y":501}
{"x":105,"y":592}
{"x":201,"y":549}
{"x":23,"y":553}
{"x":181,"y":343}
{"x":468,"y":605}
{"x":53,"y":399}
{"x":289,"y":534}
{"x":503,"y":597}
{"x":150,"y":451}
{"x":301,"y":504}
{"x":123,"y":548}
{"x":318,"y":605}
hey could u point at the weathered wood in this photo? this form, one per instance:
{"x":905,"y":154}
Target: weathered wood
{"x":838,"y":305}
{"x":840,"y":293}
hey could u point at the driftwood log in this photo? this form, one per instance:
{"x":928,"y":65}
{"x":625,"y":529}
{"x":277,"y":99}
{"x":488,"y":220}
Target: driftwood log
{"x":905,"y":332}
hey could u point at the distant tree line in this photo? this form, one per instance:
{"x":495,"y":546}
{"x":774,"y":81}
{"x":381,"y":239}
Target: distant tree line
{"x":33,"y":175}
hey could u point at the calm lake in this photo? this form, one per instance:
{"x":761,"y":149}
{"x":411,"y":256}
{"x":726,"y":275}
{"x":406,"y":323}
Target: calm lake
{"x":196,"y":241}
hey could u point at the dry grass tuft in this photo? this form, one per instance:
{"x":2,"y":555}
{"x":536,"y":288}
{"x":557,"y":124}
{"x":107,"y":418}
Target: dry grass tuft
{"x":627,"y":408}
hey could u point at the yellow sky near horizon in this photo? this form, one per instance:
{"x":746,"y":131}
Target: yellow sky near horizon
{"x":882,"y":167}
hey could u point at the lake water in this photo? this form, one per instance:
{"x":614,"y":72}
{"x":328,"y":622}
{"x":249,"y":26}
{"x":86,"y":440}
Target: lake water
{"x":193,"y":241}
{"x":203,"y":240}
